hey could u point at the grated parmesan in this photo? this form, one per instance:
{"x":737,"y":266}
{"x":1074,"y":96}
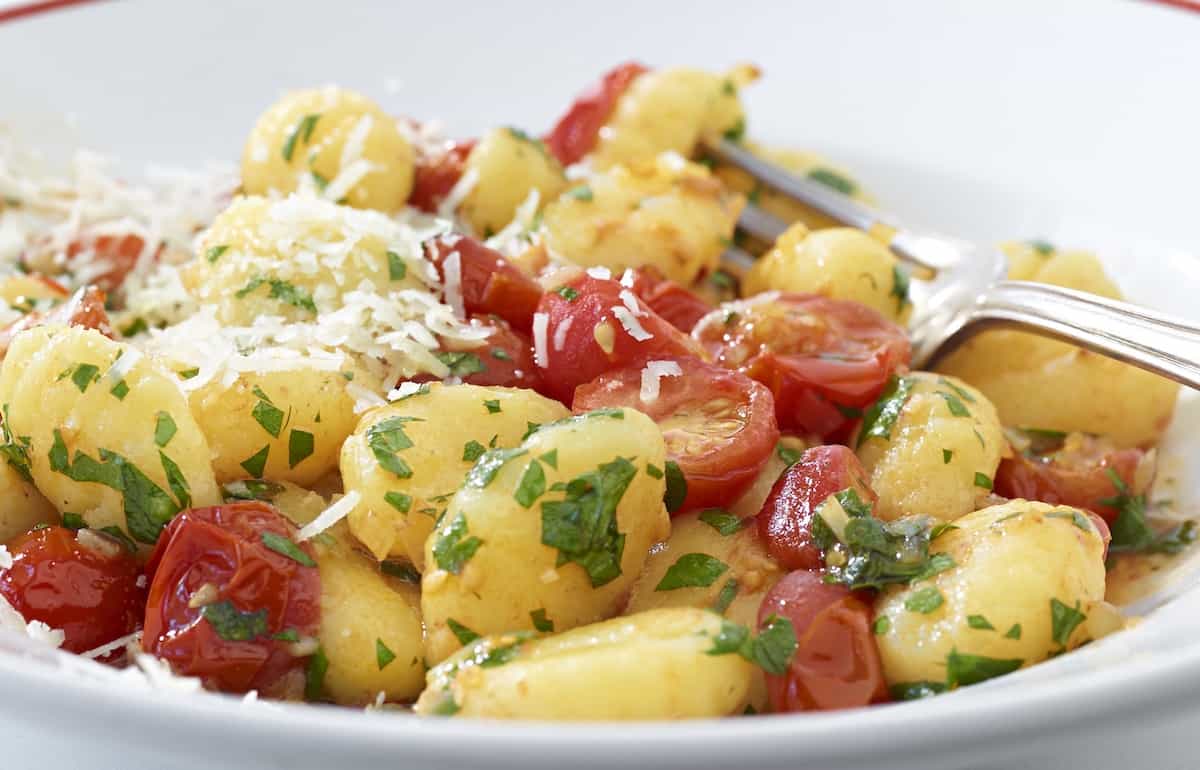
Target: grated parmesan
{"x":6,"y":559}
{"x":632,"y":325}
{"x":603,"y":273}
{"x":541,"y":322}
{"x":330,"y":516}
{"x":628,"y":278}
{"x":452,"y":267}
{"x":652,"y":374}
{"x":560,"y":333}
{"x":113,"y":646}
{"x":458,"y":193}
{"x":631,"y":302}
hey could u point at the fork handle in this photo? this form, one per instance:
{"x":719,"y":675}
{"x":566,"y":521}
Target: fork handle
{"x":1156,"y":342}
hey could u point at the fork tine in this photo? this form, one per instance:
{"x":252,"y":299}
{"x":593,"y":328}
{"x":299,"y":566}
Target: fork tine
{"x":761,"y":224}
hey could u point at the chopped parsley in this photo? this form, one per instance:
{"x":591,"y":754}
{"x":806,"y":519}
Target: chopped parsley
{"x":1075,"y":517}
{"x":188,"y":374}
{"x":653,"y":471}
{"x":900,"y":287}
{"x":1042,"y":247}
{"x":73,"y":521}
{"x":721,"y":520}
{"x":735,"y":132}
{"x":726,"y":596}
{"x":1014,"y":632}
{"x":692,"y":570}
{"x":924,"y":600}
{"x":137,"y":326}
{"x":386,"y":439}
{"x":383,"y":654}
{"x":164,"y":429}
{"x":251,"y":489}
{"x":789,"y":455}
{"x":84,"y":375}
{"x":400,"y":570}
{"x":257,"y":462}
{"x":176,"y":481}
{"x":962,"y":670}
{"x":300,"y":446}
{"x":1064,"y":620}
{"x":213,"y":254}
{"x":882,"y":625}
{"x":461,"y":364}
{"x":462,"y":633}
{"x":270,"y":417}
{"x":541,"y":622}
{"x":314,"y":675}
{"x":301,"y":133}
{"x":532,"y":485}
{"x":947,"y":456}
{"x":833,"y":180}
{"x":580,"y":193}
{"x":583,"y":525}
{"x":284,"y":545}
{"x":492,"y":405}
{"x":453,"y":549}
{"x":982,"y":481}
{"x":772,"y":649}
{"x":567,"y":293}
{"x":500,"y":354}
{"x":472,"y":451}
{"x":881,"y":416}
{"x":955,"y":405}
{"x":488,"y":465}
{"x":677,"y":487}
{"x":281,"y":290}
{"x":550,"y":458}
{"x":397,"y":270}
{"x":979,"y":623}
{"x":120,"y":390}
{"x":234,"y":625}
{"x":15,"y":450}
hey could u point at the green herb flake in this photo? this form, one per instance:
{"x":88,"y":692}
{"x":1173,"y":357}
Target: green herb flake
{"x":924,"y":600}
{"x":653,"y":471}
{"x":464,"y":635}
{"x":567,"y":293}
{"x":692,"y":570}
{"x":1074,"y":516}
{"x":982,"y":481}
{"x":961,"y":392}
{"x":84,"y":375}
{"x":164,"y":429}
{"x":462,"y":364}
{"x":301,"y":133}
{"x":735,"y":132}
{"x":401,"y":570}
{"x":721,"y":520}
{"x":492,"y":405}
{"x":532,"y":485}
{"x":290,"y":635}
{"x":269,"y":417}
{"x":188,"y":374}
{"x":1014,"y":632}
{"x":772,"y":649}
{"x":726,"y":596}
{"x":550,"y":458}
{"x":453,"y":549}
{"x":583,"y":525}
{"x":881,"y":416}
{"x":136,"y":327}
{"x":73,"y":521}
{"x":882,"y":625}
{"x":979,"y":623}
{"x":234,"y":625}
{"x":677,"y":487}
{"x":397,"y":269}
{"x":120,"y":390}
{"x":833,"y":180}
{"x":1064,"y":620}
{"x":301,"y":444}
{"x":176,"y":481}
{"x":955,"y":405}
{"x":386,"y":439}
{"x":1042,"y":247}
{"x":214,"y":253}
{"x":900,"y":287}
{"x":383,"y":654}
{"x":789,"y":455}
{"x":541,"y":622}
{"x":251,"y":489}
{"x":314,"y":676}
{"x":580,"y":193}
{"x":284,"y":545}
{"x":947,"y":456}
{"x":257,"y":462}
{"x":472,"y":451}
{"x":963,"y":670}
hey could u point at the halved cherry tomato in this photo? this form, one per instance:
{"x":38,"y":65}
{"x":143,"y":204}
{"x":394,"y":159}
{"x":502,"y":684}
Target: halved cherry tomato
{"x":586,"y":336}
{"x":488,"y":282}
{"x":121,"y":252}
{"x":1075,"y":474}
{"x":786,"y":517}
{"x":836,"y":665}
{"x":85,"y":308}
{"x":719,"y":426}
{"x":823,"y":359}
{"x":89,"y":591}
{"x":577,"y":131}
{"x":678,"y":306}
{"x":435,"y":175}
{"x":224,"y":606}
{"x":504,"y":360}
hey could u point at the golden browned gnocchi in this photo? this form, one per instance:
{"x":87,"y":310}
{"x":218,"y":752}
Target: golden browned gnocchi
{"x":406,"y":460}
{"x":931,"y":445}
{"x":109,"y":434}
{"x":1025,"y":577}
{"x":334,"y":141}
{"x":841,"y":262}
{"x":551,"y":533}
{"x":658,"y":664}
{"x":503,"y":168}
{"x":664,"y":213}
{"x":1041,"y":383}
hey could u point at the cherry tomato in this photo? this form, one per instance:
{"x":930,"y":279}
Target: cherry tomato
{"x":505,"y":360}
{"x":577,"y":131}
{"x":488,"y":283}
{"x":836,"y":665}
{"x":121,"y":252}
{"x":1075,"y":473}
{"x":823,"y":359}
{"x":719,"y":425}
{"x":85,"y":308}
{"x":220,"y":599}
{"x":785,"y":519}
{"x":678,"y":306}
{"x":586,"y":336}
{"x":435,"y":175}
{"x":88,"y":590}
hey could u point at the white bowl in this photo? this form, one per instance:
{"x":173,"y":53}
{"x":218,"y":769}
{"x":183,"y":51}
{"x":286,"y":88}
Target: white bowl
{"x":1075,"y":121}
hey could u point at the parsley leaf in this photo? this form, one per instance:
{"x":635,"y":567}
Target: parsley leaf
{"x":955,"y":405}
{"x":580,"y":193}
{"x":1064,"y":620}
{"x":176,"y":481}
{"x":284,"y":545}
{"x":532,"y":485}
{"x":464,"y":635}
{"x":979,"y":623}
{"x":251,"y":489}
{"x":947,"y":454}
{"x":692,"y":570}
{"x":583,"y":525}
{"x":982,"y":481}
{"x":653,"y":471}
{"x":472,"y":451}
{"x":461,"y":364}
{"x":720,"y":520}
{"x":488,"y":465}
{"x":772,"y":649}
{"x":385,"y":439}
{"x":300,"y":446}
{"x":1042,"y":247}
{"x":267,"y":415}
{"x":677,"y":487}
{"x":164,"y":429}
{"x":879,"y":553}
{"x":234,"y":625}
{"x":492,"y":405}
{"x":212,"y":255}
{"x":255,"y":463}
{"x":882,"y":625}
{"x":1014,"y":632}
{"x":881,"y":416}
{"x":383,"y":654}
{"x":84,"y":375}
{"x":314,"y":675}
{"x":900,"y":287}
{"x":550,"y":458}
{"x":789,"y":455}
{"x":567,"y":293}
{"x":73,"y":521}
{"x":400,"y":570}
{"x":924,"y":600}
{"x":726,"y":596}
{"x":120,"y":390}
{"x":962,"y":670}
{"x":452,"y":549}
{"x":541,"y":622}
{"x":301,"y":133}
{"x":397,"y":269}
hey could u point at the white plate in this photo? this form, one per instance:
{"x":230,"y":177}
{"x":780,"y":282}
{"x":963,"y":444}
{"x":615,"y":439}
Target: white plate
{"x":1075,"y":121}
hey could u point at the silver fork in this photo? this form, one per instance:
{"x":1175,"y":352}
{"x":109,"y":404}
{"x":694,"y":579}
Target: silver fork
{"x":964,"y":290}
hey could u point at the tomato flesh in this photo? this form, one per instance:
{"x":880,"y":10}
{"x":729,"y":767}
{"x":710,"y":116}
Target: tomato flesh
{"x":488,"y":283}
{"x":436,"y":174}
{"x":837,"y":664}
{"x":786,"y":517}
{"x":576,"y":133}
{"x":121,"y":252}
{"x":85,"y":308}
{"x":823,"y":359}
{"x":586,"y":337}
{"x":209,"y":556}
{"x":719,"y":426}
{"x":90,"y":594}
{"x":1077,"y":474}
{"x":677,"y":306}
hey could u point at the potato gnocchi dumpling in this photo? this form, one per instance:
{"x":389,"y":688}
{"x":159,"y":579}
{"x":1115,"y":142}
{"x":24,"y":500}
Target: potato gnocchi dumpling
{"x":664,"y":213}
{"x":286,"y":425}
{"x":406,"y":460}
{"x":507,"y":164}
{"x":336,"y":142}
{"x":1025,"y":577}
{"x":671,"y":110}
{"x":105,"y":432}
{"x":651,"y":665}
{"x":552,"y":533}
{"x":931,"y":446}
{"x":841,"y":262}
{"x":1036,"y":382}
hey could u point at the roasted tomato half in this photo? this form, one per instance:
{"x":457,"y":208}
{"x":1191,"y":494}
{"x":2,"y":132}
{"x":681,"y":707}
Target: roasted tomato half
{"x":576,"y":133}
{"x":119,"y":252}
{"x":234,"y":600}
{"x":85,"y":308}
{"x":786,"y":517}
{"x":594,"y":325}
{"x":84,"y":584}
{"x":504,"y":360}
{"x":836,"y":665}
{"x":678,"y":306}
{"x":486,"y":282}
{"x":823,"y":359}
{"x":1074,"y":469}
{"x":436,"y":173}
{"x":719,"y":426}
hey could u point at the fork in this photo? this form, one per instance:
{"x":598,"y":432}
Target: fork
{"x":961,"y":289}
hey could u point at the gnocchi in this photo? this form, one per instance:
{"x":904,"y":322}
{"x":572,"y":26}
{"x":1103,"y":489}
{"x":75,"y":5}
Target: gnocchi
{"x":506,"y":166}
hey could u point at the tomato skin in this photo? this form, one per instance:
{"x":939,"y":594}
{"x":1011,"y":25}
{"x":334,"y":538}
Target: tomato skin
{"x":785,"y":519}
{"x":576,"y":133}
{"x":581,"y":358}
{"x":435,"y":175}
{"x":1077,"y":478}
{"x":490,"y":284}
{"x":719,"y":467}
{"x":837,"y":664}
{"x":121,"y":251}
{"x":507,"y":358}
{"x":85,"y":308}
{"x":222,"y":546}
{"x":822,"y":358}
{"x":92,"y":596}
{"x":678,"y":306}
